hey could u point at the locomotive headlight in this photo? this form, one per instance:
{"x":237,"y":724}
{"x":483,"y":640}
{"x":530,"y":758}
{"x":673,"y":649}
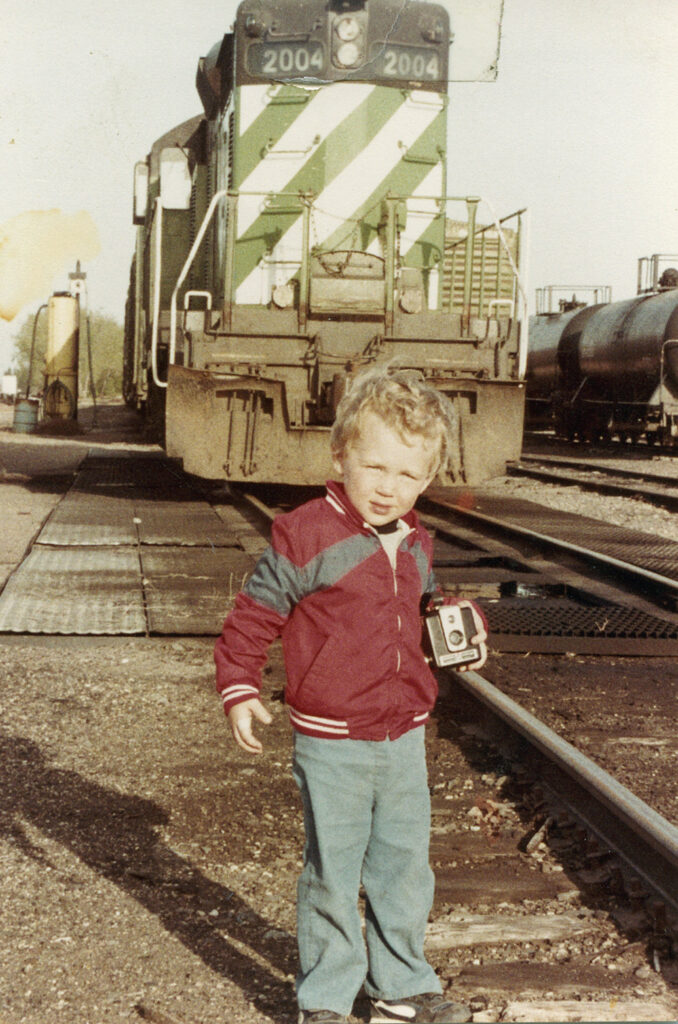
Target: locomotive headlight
{"x":348,"y":42}
{"x":348,"y":29}
{"x":433,"y":31}
{"x":347,"y":55}
{"x":254,"y":26}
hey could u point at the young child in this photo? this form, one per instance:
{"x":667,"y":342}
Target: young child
{"x":342,"y":582}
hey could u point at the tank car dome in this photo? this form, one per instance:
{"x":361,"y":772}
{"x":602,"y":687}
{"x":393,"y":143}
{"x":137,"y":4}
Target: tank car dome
{"x":669,"y":278}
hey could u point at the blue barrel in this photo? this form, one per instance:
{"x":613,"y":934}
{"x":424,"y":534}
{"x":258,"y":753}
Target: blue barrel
{"x":26,"y":415}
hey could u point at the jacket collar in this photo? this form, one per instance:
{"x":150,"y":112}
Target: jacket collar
{"x":340,"y":502}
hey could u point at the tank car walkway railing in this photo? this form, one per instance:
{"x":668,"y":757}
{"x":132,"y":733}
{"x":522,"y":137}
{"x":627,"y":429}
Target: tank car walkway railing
{"x":560,"y":298}
{"x":649,"y":268}
{"x":512,"y":256}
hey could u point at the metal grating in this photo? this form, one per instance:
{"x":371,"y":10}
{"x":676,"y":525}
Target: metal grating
{"x":92,"y":521}
{"x":117,"y":556}
{"x":152,"y":471}
{"x":568,"y":618}
{"x":75,"y":590}
{"x":121,"y":555}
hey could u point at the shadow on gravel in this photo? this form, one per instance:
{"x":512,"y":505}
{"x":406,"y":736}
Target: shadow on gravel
{"x":115,"y":835}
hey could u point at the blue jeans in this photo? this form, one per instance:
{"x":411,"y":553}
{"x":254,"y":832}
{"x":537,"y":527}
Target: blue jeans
{"x":367,"y":818}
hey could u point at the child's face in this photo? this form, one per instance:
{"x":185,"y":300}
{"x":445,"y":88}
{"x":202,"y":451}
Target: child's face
{"x":383,"y":474}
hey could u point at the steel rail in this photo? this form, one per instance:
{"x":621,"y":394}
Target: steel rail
{"x":645,"y":841}
{"x":255,"y":503}
{"x":668,"y":586}
{"x":557,"y":475}
{"x":623,"y":472}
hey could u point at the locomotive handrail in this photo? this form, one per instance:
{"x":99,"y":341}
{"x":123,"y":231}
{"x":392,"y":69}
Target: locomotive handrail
{"x":524,"y":335}
{"x":524,"y":323}
{"x":523,"y":250}
{"x":496,"y":223}
{"x":216,"y":199}
{"x":199,"y":293}
{"x":157,"y":278}
{"x":472,"y":205}
{"x":503,"y":302}
{"x":306,"y":201}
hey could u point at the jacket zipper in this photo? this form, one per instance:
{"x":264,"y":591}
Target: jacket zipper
{"x":395,"y":591}
{"x":394,"y":574}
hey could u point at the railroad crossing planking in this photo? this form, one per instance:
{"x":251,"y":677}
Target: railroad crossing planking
{"x":131,"y":550}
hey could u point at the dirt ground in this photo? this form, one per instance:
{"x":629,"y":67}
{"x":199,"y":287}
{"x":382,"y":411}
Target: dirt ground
{"x":131,"y":854}
{"x":128,"y":864}
{"x":149,"y":866}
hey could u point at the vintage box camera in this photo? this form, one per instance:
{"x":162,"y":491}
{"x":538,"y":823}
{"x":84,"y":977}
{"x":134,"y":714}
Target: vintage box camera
{"x":448,"y":630}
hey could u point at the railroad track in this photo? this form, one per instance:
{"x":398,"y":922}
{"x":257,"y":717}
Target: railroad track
{"x":549,"y":869}
{"x":134,"y":548}
{"x":616,"y":448}
{"x":644,"y":843}
{"x":526,"y":846}
{"x":575,"y":803}
{"x":651,"y":566}
{"x":545,"y":588}
{"x":541,"y":590}
{"x":647,"y":485}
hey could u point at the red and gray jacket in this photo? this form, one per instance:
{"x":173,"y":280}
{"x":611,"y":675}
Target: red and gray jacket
{"x":349,"y":621}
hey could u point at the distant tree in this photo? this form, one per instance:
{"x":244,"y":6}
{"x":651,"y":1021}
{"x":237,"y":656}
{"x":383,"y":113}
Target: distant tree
{"x":106,"y":339}
{"x":106,"y":336}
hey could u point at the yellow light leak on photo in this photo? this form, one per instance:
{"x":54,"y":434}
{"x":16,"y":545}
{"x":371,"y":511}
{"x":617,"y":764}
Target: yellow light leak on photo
{"x":34,"y":247}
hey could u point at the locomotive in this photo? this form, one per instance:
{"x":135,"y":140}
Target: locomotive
{"x":299,"y":229}
{"x":609,"y":370}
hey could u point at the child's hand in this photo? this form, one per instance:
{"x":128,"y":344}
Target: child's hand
{"x":479,"y":638}
{"x":240,"y":717}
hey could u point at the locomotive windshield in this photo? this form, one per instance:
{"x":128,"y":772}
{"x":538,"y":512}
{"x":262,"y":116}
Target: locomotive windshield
{"x":377,"y":41}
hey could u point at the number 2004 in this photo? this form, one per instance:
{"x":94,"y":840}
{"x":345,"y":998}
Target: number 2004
{"x":286,"y":59}
{"x":403,"y":64}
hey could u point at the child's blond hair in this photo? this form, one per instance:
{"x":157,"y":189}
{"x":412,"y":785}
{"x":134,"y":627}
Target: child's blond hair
{"x":404,"y":400}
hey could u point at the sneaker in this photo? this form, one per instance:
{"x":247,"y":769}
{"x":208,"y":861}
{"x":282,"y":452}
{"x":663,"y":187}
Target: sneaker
{"x":321,"y":1017}
{"x":423,"y":1009}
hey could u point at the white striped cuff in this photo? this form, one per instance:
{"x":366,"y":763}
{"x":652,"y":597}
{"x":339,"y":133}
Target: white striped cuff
{"x":239,"y":691}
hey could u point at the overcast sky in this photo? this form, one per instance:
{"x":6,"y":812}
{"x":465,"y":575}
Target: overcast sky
{"x":580,"y":126}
